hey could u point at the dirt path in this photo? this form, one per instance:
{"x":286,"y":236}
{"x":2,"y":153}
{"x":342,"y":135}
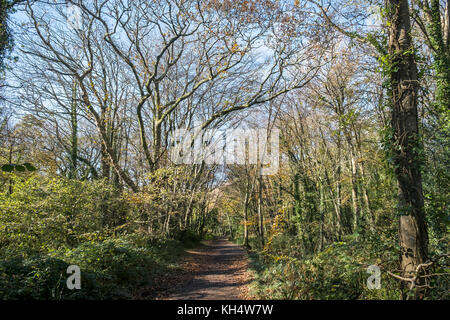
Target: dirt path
{"x":216,"y":271}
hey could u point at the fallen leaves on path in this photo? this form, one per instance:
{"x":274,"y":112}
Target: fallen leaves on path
{"x":216,"y":270}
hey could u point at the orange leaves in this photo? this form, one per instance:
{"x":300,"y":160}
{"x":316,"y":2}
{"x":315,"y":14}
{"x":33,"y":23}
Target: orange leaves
{"x":248,"y":223}
{"x":235,"y":47}
{"x":248,"y":7}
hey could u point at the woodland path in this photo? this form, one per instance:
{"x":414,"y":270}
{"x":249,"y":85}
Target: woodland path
{"x":215,"y":271}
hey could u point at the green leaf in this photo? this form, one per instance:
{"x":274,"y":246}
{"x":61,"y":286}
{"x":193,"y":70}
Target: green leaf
{"x":19,"y":168}
{"x":7,"y":167}
{"x":29,"y":166}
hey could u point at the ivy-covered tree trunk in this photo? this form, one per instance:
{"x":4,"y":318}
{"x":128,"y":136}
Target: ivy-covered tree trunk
{"x":406,"y":146}
{"x":439,"y":38}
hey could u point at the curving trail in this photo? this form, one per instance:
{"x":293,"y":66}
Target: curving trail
{"x":216,"y":271}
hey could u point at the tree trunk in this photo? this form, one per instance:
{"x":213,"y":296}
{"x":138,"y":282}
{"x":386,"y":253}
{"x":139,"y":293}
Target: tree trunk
{"x":322,"y":213}
{"x":74,"y":134}
{"x":157,"y":140}
{"x":260,"y":214}
{"x":246,"y":220}
{"x":355,"y":206}
{"x":413,"y":235}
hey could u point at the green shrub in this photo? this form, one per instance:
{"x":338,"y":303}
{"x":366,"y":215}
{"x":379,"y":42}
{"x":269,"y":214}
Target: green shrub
{"x":44,"y":214}
{"x":42,"y":278}
{"x":189,"y":238}
{"x":338,"y":272}
{"x":121,"y":265}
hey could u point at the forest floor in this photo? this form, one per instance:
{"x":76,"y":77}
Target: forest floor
{"x":216,"y":270}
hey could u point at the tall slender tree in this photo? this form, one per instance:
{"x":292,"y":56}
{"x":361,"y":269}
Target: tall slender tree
{"x":406,"y":147}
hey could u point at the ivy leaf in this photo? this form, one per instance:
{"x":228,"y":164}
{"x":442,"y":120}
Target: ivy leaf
{"x":7,"y":167}
{"x":29,"y":166}
{"x":19,"y":168}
